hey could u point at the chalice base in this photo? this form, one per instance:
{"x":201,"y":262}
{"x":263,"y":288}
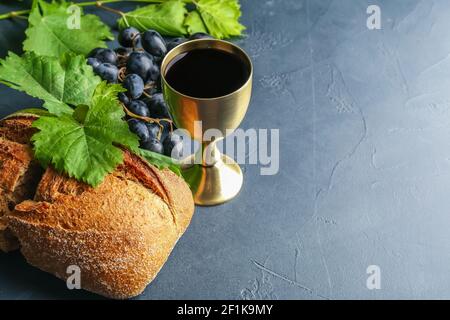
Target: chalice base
{"x":216,"y":184}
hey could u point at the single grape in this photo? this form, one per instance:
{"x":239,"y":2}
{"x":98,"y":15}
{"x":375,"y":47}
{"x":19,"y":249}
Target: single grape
{"x":134,"y":85}
{"x":105,"y":55}
{"x":153,"y":73}
{"x":173,"y":145}
{"x":175,"y":42}
{"x":124,"y":98}
{"x":153,"y":43}
{"x":139,"y":107}
{"x":153,"y":129}
{"x":129,"y":37}
{"x":94,"y":52}
{"x":157,"y":106}
{"x":107,"y":71}
{"x":93,"y":62}
{"x":139,"y":128}
{"x":153,"y":145}
{"x":167,"y":128}
{"x":139,"y":63}
{"x":200,"y":35}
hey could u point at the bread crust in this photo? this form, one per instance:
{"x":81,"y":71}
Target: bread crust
{"x":119,"y":234}
{"x":19,"y":172}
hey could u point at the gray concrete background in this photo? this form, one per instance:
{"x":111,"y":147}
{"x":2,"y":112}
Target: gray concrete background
{"x":365,"y":162}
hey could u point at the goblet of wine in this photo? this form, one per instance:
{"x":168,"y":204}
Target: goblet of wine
{"x":200,"y":100}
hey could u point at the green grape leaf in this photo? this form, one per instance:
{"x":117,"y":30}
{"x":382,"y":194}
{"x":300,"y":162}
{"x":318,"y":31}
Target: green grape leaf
{"x":160,"y":161}
{"x":167,"y":18}
{"x":59,"y":82}
{"x":86,"y":150}
{"x":194,"y":23}
{"x":59,"y":27}
{"x":221,"y":17}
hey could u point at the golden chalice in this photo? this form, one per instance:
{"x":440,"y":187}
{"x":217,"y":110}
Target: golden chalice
{"x":217,"y":178}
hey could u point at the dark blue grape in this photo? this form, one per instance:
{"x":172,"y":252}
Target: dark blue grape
{"x":153,"y":43}
{"x":124,"y":98}
{"x":167,"y":128}
{"x":153,"y":145}
{"x":93,"y":62}
{"x":105,"y":55}
{"x":158,"y":107}
{"x":173,"y":145}
{"x":139,"y":63}
{"x":175,"y":42}
{"x":107,"y":71}
{"x":139,"y":107}
{"x":200,"y":35}
{"x":139,"y":128}
{"x":134,"y":85}
{"x":94,"y":52}
{"x":129,"y":37}
{"x":153,"y":129}
{"x":153,"y":73}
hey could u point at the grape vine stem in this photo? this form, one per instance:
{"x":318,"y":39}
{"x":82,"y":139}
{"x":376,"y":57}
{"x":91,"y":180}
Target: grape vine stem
{"x":22,"y":13}
{"x":14,"y":14}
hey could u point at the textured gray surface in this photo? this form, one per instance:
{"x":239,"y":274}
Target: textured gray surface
{"x":365,"y":163}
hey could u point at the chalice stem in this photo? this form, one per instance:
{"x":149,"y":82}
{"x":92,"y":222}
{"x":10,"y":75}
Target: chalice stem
{"x":214,"y":178}
{"x":210,"y":153}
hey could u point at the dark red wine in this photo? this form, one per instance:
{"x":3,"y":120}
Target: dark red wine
{"x":207,"y":73}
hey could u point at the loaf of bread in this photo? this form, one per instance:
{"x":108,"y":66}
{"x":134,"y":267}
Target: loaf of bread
{"x":119,"y":234}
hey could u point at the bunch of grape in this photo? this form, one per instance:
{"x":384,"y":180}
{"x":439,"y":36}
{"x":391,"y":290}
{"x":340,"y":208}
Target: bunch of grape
{"x":136,"y":65}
